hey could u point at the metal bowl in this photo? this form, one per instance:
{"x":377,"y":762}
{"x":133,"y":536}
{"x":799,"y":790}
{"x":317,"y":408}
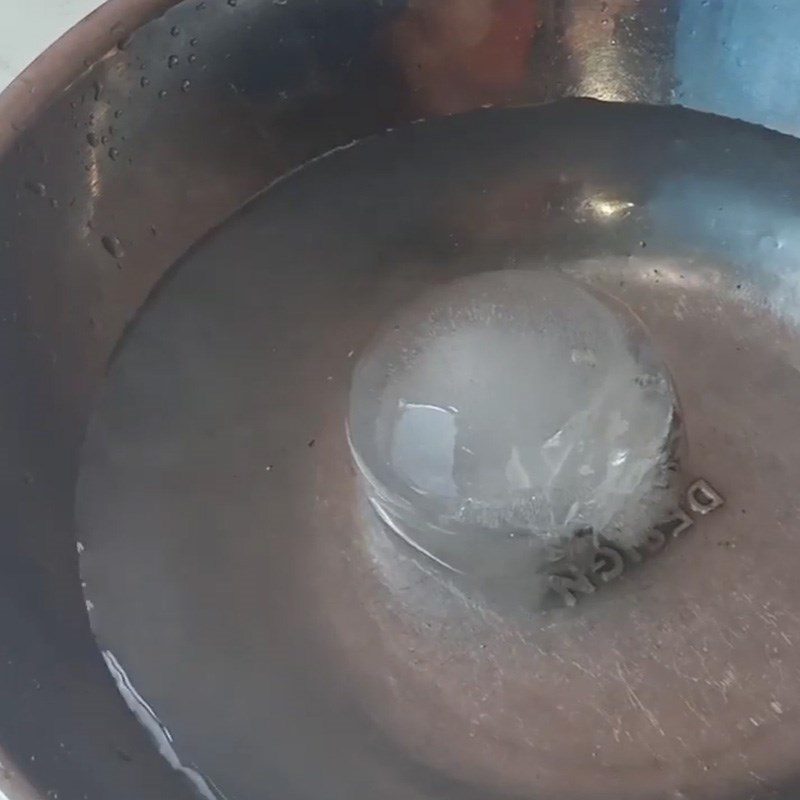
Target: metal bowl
{"x":150,"y":124}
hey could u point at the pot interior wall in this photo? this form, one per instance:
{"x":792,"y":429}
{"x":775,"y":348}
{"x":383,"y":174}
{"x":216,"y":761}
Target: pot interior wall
{"x":162,"y":139}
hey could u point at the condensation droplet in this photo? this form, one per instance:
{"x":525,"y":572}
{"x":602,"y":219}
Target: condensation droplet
{"x":113,"y":153}
{"x":144,"y":81}
{"x":192,"y":57}
{"x":172,"y":61}
{"x":769,"y":242}
{"x":175,"y":30}
{"x":185,"y":85}
{"x":91,"y":137}
{"x":112,"y":246}
{"x":36,"y":187}
{"x":162,"y":93}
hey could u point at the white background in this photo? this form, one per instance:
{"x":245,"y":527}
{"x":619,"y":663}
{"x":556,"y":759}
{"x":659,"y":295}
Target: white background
{"x":27,"y":27}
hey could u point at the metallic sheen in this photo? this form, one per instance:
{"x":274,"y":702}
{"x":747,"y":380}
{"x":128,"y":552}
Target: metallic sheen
{"x":95,"y":207}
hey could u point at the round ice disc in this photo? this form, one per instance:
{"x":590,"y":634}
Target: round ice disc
{"x":507,"y":411}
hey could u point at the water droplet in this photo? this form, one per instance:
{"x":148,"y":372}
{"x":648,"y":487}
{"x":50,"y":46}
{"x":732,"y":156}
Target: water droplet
{"x":103,"y":139}
{"x":123,"y":43}
{"x":98,"y":89}
{"x":200,"y":6}
{"x":279,"y":2}
{"x":172,"y":61}
{"x":144,"y":81}
{"x":53,"y":202}
{"x":584,"y":356}
{"x":192,"y":42}
{"x":113,"y":153}
{"x":36,"y":188}
{"x":769,"y":242}
{"x":192,"y":57}
{"x":91,"y":137}
{"x":112,"y":246}
{"x":162,"y":93}
{"x":175,"y":30}
{"x":185,"y":85}
{"x":232,"y":2}
{"x":118,"y":113}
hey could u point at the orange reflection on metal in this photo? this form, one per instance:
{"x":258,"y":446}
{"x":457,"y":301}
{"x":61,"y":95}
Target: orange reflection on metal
{"x":459,"y":54}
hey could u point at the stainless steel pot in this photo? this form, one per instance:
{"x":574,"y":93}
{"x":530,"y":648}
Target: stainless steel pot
{"x":199,"y":105}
